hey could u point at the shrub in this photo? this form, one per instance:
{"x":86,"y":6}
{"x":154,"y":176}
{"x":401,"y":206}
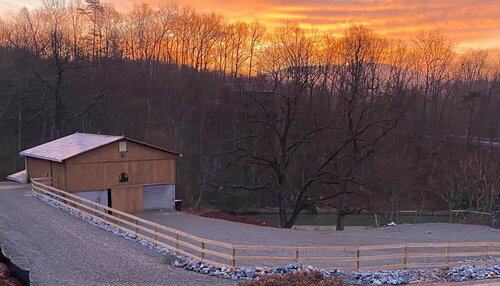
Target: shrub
{"x":301,"y":278}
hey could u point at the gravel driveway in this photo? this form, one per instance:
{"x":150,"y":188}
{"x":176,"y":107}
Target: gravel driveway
{"x":238,"y":233}
{"x":59,"y":249}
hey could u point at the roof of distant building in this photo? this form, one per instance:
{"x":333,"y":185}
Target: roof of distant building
{"x":75,"y":144}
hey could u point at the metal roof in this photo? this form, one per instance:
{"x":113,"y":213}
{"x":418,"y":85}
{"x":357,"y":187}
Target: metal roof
{"x":69,"y":146}
{"x":20,"y":177}
{"x":75,"y":144}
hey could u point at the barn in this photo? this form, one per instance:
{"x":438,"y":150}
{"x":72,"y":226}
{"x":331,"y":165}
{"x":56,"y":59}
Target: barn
{"x":116,"y":171}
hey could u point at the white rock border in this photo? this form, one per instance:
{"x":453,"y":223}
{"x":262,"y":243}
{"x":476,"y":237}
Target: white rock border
{"x":394,"y":277}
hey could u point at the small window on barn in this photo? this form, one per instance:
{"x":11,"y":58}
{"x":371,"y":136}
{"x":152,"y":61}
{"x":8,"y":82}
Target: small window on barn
{"x":123,"y":178}
{"x":122,"y":147}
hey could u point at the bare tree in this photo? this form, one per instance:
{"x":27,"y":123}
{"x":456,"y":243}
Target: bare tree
{"x":470,"y":183}
{"x":283,"y":131}
{"x":308,"y":114}
{"x":257,"y":32}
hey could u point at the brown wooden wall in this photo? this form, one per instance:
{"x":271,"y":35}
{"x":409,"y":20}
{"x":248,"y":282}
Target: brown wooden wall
{"x":99,"y":169}
{"x":128,"y":200}
{"x":38,"y":168}
{"x":59,"y":173}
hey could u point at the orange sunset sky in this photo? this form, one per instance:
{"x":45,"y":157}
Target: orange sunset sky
{"x":471,"y":23}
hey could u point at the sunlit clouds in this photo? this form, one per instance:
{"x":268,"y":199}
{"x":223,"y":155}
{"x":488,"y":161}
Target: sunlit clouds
{"x":11,"y":6}
{"x":471,"y":23}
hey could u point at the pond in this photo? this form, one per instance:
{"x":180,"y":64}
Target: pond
{"x":330,"y":219}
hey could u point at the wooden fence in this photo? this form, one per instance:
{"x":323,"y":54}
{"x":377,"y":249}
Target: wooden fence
{"x":369,"y":257}
{"x":477,"y":217}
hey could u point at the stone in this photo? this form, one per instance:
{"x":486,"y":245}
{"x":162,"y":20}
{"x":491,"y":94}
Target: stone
{"x":192,"y":265}
{"x":177,"y":264}
{"x":215,"y":273}
{"x":456,"y":277}
{"x":259,"y":269}
{"x":248,"y":272}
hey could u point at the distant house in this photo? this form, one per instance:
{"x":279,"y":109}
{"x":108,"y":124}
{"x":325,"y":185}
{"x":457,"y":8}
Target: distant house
{"x":116,"y":171}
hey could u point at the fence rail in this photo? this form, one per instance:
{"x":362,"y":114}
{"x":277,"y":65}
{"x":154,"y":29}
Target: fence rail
{"x":367,"y":257}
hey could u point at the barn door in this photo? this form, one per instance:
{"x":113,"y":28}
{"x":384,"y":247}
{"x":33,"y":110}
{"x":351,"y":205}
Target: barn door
{"x":159,"y":197}
{"x":127,"y":200}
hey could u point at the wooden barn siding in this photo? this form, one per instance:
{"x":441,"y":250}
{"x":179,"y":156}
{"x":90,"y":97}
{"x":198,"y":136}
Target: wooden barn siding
{"x":128,"y":200}
{"x":38,"y":168}
{"x":59,"y":173}
{"x":109,"y":153}
{"x":99,"y":169}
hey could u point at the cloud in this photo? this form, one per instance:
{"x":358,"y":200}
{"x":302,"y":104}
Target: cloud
{"x":10,"y":6}
{"x":464,"y":20}
{"x":467,"y":21}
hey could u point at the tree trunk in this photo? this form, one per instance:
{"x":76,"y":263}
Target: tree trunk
{"x":282,"y":211}
{"x":340,"y":220}
{"x":19,"y":122}
{"x":292,"y":219}
{"x":57,"y":120}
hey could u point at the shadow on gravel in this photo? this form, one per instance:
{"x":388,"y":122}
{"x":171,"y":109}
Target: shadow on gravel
{"x":11,"y":274}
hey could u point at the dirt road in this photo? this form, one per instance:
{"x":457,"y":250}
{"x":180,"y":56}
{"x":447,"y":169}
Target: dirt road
{"x":59,"y":249}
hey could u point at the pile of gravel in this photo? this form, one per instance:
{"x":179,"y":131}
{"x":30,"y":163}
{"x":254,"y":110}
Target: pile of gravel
{"x":240,"y":273}
{"x":463,"y":273}
{"x":385,"y":277}
{"x":393,"y":277}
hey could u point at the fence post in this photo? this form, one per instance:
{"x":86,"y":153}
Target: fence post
{"x":96,"y":209}
{"x":486,"y":258}
{"x":81,"y":211}
{"x":296,"y":256}
{"x":202,"y":250}
{"x":234,"y":258}
{"x":177,"y":243}
{"x":136,"y":228}
{"x":155,"y":237}
{"x":357,"y":259}
{"x":405,"y":257}
{"x":78,"y":207}
{"x":447,"y":256}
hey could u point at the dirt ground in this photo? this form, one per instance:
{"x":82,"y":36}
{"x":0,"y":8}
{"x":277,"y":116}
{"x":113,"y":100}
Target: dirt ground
{"x":240,"y":233}
{"x":234,"y":218}
{"x":247,"y":234}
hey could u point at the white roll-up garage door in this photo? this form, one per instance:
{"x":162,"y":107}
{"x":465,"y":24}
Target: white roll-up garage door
{"x":100,"y":197}
{"x":159,"y":197}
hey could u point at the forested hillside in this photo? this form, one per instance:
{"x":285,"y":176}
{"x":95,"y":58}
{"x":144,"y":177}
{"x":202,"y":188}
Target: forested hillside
{"x":287,"y":118}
